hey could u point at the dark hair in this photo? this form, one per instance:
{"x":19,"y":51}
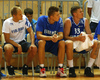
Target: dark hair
{"x":52,"y":9}
{"x":74,"y":9}
{"x":14,"y":10}
{"x":28,"y":11}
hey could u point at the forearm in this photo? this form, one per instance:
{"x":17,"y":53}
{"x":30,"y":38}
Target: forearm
{"x":12,"y":42}
{"x":60,"y":37}
{"x":72,"y":38}
{"x":43,"y":37}
{"x":32,"y":37}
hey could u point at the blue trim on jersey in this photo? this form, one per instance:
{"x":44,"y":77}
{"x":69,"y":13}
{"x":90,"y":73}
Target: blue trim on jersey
{"x":76,"y":29}
{"x":32,"y":24}
{"x":97,"y":31}
{"x":48,"y":29}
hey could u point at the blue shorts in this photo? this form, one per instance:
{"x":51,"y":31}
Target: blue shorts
{"x":93,"y":26}
{"x":24,"y":44}
{"x":81,"y":52}
{"x":50,"y":46}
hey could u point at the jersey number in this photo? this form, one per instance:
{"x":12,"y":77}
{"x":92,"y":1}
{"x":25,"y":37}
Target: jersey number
{"x":77,"y":30}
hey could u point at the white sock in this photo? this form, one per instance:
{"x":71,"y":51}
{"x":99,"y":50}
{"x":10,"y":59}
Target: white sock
{"x":60,"y":65}
{"x":42,"y":65}
{"x":91,"y":61}
{"x":70,"y":63}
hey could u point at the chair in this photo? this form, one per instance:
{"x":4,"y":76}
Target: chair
{"x":16,"y":55}
{"x":83,"y":53}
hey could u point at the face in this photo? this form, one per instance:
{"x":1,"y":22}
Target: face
{"x":18,"y":16}
{"x":79,"y":13}
{"x":55,"y":16}
{"x":29,"y":16}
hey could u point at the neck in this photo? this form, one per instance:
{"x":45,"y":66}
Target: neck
{"x":76,"y":20}
{"x":51,"y":21}
{"x":15,"y":20}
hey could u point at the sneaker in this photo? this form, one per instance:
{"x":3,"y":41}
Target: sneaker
{"x":25,"y":70}
{"x":3,"y":75}
{"x":11,"y":70}
{"x":72,"y":72}
{"x":61,"y":73}
{"x":37,"y":69}
{"x":42,"y":72}
{"x":88,"y":72}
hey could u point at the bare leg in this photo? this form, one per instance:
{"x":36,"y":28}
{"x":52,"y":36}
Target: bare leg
{"x":8,"y":53}
{"x":31,"y":54}
{"x":41,"y":51}
{"x":61,"y":52}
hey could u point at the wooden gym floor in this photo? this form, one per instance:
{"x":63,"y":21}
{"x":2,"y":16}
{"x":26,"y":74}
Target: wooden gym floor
{"x":52,"y":76}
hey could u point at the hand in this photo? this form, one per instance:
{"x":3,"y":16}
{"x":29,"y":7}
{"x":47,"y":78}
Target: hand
{"x":19,"y":49}
{"x":55,"y":38}
{"x":90,"y":36}
{"x":81,"y":38}
{"x":32,"y":46}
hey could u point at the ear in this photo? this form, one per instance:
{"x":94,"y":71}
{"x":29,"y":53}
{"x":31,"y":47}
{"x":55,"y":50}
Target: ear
{"x":74,"y":14}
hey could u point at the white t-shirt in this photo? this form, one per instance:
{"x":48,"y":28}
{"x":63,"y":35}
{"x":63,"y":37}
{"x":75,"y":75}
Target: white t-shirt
{"x":95,"y":14}
{"x":16,"y":29}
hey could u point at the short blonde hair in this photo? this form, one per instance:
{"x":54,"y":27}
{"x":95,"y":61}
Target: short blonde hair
{"x":14,"y":10}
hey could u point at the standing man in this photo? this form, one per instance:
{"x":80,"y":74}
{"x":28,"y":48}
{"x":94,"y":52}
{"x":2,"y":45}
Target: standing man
{"x":14,"y":33}
{"x":73,"y":27}
{"x":94,"y":13}
{"x":49,"y":38}
{"x":29,"y":14}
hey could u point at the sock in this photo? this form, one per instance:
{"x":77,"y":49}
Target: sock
{"x":70,"y":63}
{"x":41,"y":65}
{"x":60,"y":65}
{"x":91,"y":61}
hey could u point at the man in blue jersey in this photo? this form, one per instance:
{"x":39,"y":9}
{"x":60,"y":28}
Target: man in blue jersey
{"x":73,"y":27}
{"x":29,"y":14}
{"x":14,"y":33}
{"x":49,"y":38}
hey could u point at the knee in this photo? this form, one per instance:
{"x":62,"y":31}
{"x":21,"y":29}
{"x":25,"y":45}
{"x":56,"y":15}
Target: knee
{"x":34,"y":50}
{"x":96,"y":43}
{"x":42,"y":43}
{"x":8,"y":48}
{"x":69,"y":43}
{"x":62,"y":43}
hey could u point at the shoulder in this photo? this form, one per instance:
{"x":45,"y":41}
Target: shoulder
{"x":67,"y":20}
{"x":8,"y":21}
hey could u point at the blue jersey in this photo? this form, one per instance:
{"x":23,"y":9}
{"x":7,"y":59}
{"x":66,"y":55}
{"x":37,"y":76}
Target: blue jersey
{"x":33,"y":26}
{"x":48,"y":29}
{"x":76,"y":29}
{"x":97,"y":31}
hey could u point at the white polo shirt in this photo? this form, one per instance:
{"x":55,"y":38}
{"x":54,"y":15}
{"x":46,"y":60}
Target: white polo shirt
{"x":95,"y":14}
{"x":16,"y":29}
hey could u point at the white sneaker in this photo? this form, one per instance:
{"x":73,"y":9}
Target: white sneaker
{"x":61,"y":73}
{"x":42,"y":72}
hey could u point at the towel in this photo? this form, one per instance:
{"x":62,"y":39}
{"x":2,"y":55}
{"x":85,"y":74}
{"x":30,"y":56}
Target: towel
{"x":80,"y":46}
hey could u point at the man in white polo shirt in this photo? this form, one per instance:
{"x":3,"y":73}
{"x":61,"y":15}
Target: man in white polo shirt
{"x":94,"y":13}
{"x":14,"y":33}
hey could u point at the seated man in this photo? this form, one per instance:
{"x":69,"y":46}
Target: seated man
{"x":1,"y":74}
{"x":49,"y":35}
{"x":14,"y":33}
{"x":29,"y":14}
{"x":73,"y":26}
